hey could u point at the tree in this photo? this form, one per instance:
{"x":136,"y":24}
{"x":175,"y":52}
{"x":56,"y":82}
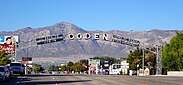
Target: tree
{"x":4,"y":59}
{"x":172,"y":54}
{"x":150,"y":59}
{"x":84,"y":61}
{"x":53,"y":68}
{"x":63,"y":68}
{"x":36,"y":68}
{"x":78,"y":67}
{"x":69,"y":66}
{"x":134,"y":58}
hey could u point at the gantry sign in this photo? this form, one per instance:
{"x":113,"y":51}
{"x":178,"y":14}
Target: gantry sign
{"x":49,"y":39}
{"x":87,"y":36}
{"x":105,"y":37}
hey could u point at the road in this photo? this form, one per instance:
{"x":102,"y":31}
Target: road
{"x":93,"y":80}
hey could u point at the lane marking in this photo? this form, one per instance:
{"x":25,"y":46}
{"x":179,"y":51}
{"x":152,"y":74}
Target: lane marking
{"x":95,"y":83}
{"x":55,"y":79}
{"x":142,"y":84}
{"x":18,"y":82}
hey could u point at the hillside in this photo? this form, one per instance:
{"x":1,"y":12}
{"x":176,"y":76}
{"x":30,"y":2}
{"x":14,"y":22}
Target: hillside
{"x":77,"y":49}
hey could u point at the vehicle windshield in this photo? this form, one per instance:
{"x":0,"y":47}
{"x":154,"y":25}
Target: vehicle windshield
{"x":15,"y":64}
{"x":1,"y":69}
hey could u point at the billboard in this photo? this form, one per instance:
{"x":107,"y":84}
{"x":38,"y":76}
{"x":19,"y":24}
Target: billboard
{"x":11,"y":40}
{"x":7,"y":43}
{"x":9,"y":49}
{"x":27,"y":60}
{"x":94,"y":61}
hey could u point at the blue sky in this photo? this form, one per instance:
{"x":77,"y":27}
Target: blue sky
{"x":126,"y":15}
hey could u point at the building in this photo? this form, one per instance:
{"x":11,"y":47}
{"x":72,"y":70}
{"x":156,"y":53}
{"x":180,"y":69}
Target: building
{"x":116,"y":69}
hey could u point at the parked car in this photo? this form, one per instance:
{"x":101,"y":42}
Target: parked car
{"x":132,"y":72}
{"x":17,"y":68}
{"x":11,"y":71}
{"x":4,"y":73}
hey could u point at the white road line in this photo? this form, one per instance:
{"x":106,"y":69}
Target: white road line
{"x":95,"y":83}
{"x":18,"y":82}
{"x":55,"y":79}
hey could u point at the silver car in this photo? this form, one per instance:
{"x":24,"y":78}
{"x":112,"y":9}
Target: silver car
{"x":4,"y":73}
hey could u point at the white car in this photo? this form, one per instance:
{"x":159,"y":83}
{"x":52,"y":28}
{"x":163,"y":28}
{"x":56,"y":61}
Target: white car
{"x":4,"y":73}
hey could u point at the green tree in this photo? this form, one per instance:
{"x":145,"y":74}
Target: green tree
{"x":78,"y":67}
{"x":150,"y":59}
{"x":36,"y":68}
{"x":69,"y":66}
{"x":4,"y":59}
{"x":84,"y":61}
{"x":134,"y":58}
{"x":172,"y":54}
{"x":53,"y":68}
{"x":63,"y":68}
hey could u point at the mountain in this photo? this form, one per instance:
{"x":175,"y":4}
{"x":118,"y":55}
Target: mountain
{"x":78,"y":49}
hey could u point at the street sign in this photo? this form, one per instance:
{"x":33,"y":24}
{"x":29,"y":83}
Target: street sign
{"x":106,"y":63}
{"x":2,"y":39}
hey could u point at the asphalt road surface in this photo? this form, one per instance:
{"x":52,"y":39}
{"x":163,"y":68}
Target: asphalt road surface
{"x":93,"y":80}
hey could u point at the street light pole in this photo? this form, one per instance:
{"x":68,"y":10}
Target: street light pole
{"x":137,"y":69}
{"x":27,"y":52}
{"x":15,"y":51}
{"x":143,"y":58}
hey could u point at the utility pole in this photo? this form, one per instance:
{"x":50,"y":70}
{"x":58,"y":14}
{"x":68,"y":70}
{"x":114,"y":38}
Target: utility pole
{"x":143,"y":58}
{"x":27,"y":52}
{"x":15,"y":50}
{"x":158,"y":60}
